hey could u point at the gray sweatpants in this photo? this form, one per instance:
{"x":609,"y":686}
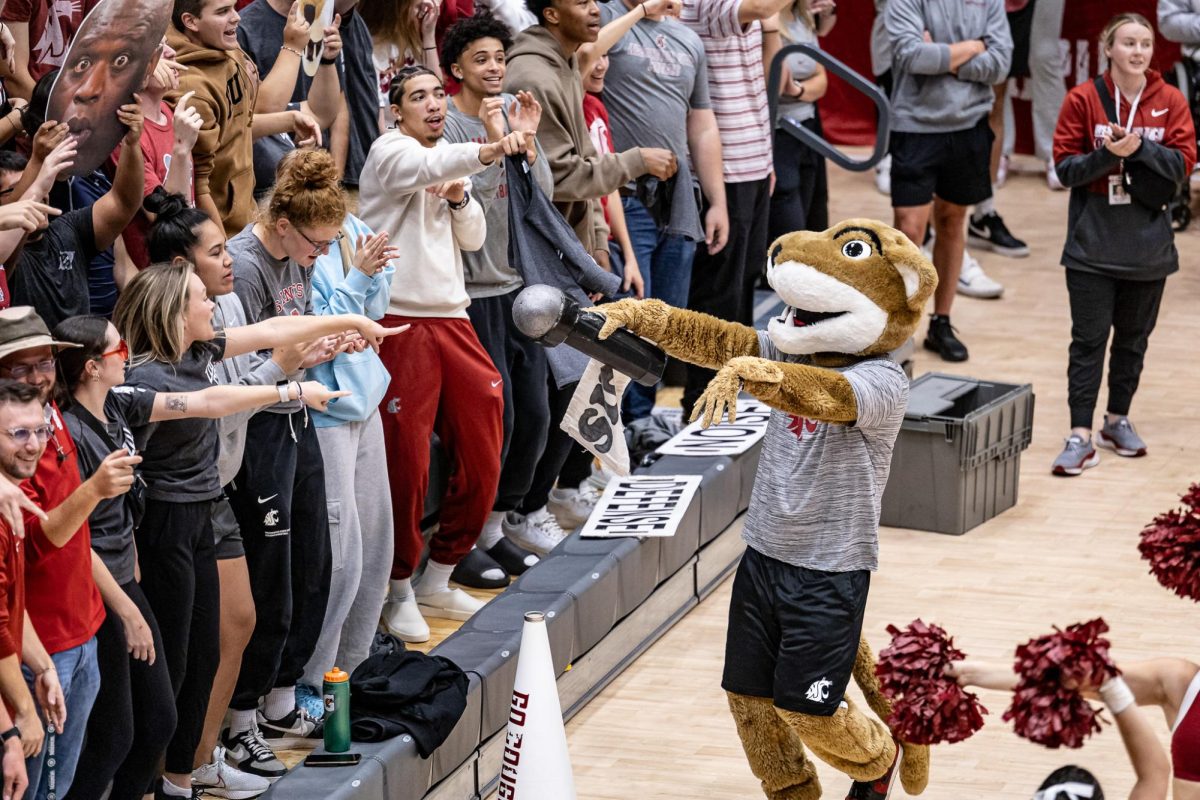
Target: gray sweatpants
{"x":1046,"y":69}
{"x":360,"y":534}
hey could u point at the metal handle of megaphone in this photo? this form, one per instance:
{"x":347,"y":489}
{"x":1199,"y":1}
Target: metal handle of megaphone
{"x":858,"y":82}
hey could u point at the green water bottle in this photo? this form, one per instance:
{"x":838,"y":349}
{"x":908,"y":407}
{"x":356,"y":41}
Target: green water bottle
{"x":337,"y":711}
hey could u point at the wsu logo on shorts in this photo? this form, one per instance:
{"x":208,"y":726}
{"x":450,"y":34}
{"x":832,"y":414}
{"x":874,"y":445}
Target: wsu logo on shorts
{"x":819,"y":691}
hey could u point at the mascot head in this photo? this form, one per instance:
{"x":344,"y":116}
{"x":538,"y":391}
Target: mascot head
{"x":856,"y":289}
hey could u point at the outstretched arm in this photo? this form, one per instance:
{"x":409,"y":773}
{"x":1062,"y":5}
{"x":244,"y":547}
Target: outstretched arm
{"x":815,"y":393}
{"x":687,"y":335}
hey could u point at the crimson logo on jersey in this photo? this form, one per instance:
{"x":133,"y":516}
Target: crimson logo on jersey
{"x":801,"y":425}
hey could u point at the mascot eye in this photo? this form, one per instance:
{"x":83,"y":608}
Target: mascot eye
{"x":856,"y":249}
{"x":774,"y":254}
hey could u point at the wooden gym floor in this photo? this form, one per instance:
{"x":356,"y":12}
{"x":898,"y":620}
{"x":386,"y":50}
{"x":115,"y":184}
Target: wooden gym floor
{"x":1066,"y":553}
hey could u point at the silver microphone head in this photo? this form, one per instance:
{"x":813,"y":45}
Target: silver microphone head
{"x":538,"y":309}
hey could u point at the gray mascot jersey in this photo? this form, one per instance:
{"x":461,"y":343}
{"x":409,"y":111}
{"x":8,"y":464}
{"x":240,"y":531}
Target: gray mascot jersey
{"x":817,"y":492}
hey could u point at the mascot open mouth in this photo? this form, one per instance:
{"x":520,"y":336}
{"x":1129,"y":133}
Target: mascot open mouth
{"x":799,"y":318}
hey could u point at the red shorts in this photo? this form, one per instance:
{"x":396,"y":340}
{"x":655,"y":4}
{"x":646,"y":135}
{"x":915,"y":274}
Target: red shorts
{"x":1185,"y":739}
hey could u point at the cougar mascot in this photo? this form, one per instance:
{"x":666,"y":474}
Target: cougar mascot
{"x":853,"y":294}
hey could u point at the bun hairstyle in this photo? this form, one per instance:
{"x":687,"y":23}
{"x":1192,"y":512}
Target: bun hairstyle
{"x":307,"y":191}
{"x":176,"y":226}
{"x":89,"y":331}
{"x":1109,"y":34}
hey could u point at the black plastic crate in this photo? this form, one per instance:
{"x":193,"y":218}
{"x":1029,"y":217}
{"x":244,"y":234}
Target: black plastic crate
{"x":957,"y":460}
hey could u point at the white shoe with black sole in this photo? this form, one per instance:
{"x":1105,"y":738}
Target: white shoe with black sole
{"x":297,"y":729}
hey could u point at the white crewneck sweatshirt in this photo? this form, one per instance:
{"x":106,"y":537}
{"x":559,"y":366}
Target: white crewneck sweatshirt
{"x":429,"y":272}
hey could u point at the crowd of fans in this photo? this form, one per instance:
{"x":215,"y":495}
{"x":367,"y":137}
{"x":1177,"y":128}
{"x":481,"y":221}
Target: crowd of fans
{"x":280,"y":285}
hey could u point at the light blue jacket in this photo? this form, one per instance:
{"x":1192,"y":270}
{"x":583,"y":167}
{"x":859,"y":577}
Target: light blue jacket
{"x":341,"y":289}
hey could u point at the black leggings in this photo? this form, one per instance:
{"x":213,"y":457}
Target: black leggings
{"x":801,"y":199}
{"x":559,"y":445}
{"x":134,"y":714}
{"x":179,"y":577}
{"x":1100,"y":304}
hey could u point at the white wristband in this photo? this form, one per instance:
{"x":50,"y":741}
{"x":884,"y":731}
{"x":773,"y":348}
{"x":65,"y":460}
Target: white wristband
{"x":284,"y":396}
{"x":1117,"y":695}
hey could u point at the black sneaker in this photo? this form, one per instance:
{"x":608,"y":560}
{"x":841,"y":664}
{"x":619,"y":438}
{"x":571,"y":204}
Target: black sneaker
{"x":249,"y":752}
{"x":297,"y":729}
{"x":879,"y":789}
{"x":159,"y":794}
{"x":479,"y":571}
{"x":941,"y":339}
{"x":513,"y":558}
{"x":990,"y":233}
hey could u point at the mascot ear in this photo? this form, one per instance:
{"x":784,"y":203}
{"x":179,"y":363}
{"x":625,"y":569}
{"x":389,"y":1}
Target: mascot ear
{"x":920,"y":278}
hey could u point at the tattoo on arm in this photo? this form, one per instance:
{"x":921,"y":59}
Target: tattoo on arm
{"x":176,"y":402}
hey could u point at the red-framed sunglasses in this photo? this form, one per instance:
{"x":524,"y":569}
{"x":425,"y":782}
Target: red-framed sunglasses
{"x":122,"y":351}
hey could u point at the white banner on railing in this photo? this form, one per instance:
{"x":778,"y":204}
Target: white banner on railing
{"x":641,"y":505}
{"x":593,"y":416}
{"x":723,"y":439}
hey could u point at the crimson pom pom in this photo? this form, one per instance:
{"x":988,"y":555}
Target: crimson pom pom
{"x":1044,"y":710}
{"x":928,"y":706}
{"x":1172,"y":546}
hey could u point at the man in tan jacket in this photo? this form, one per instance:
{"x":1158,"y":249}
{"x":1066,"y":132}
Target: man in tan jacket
{"x":543,"y":61}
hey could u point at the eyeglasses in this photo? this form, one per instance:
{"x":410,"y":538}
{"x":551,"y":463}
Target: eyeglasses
{"x":321,"y":247}
{"x":22,"y":435}
{"x":121,"y":350}
{"x":22,"y":371}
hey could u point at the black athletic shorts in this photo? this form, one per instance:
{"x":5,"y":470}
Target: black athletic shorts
{"x":793,"y":633}
{"x":1020,"y":25}
{"x":952,"y":166}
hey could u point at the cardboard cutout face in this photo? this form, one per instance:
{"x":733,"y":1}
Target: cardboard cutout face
{"x":319,"y":15}
{"x":111,"y":57}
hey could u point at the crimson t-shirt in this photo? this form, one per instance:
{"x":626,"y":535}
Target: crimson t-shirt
{"x":52,"y":25}
{"x":158,"y":140}
{"x":62,"y":598}
{"x":595,"y":116}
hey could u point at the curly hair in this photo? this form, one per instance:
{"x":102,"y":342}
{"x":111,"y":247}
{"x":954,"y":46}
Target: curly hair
{"x":468,"y":30}
{"x":306,"y":190}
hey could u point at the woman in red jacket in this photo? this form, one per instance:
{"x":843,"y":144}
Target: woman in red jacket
{"x":1120,"y":247}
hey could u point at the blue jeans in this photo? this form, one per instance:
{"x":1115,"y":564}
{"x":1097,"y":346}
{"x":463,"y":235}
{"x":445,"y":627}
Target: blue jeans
{"x":79,"y":674}
{"x":665,"y":260}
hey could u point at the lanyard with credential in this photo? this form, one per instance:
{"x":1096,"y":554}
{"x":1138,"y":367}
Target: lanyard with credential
{"x":1132,"y":108}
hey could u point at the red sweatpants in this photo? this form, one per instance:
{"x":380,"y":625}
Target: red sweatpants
{"x":443,"y":381}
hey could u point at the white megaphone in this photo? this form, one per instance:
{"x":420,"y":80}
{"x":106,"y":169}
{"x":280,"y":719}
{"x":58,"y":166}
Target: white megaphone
{"x":535,"y":763}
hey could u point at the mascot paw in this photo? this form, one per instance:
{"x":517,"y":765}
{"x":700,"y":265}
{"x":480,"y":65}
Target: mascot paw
{"x":720,"y":398}
{"x":914,"y":768}
{"x":647,"y":318}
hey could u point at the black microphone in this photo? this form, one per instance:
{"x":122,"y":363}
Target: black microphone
{"x":549,"y":317}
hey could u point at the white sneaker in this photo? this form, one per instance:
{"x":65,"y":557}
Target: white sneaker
{"x":883,"y":175}
{"x":220,"y":779}
{"x":448,"y":604}
{"x":538,"y":531}
{"x":1052,"y":178}
{"x":571,"y":507}
{"x":974,"y":282}
{"x":403,"y":619}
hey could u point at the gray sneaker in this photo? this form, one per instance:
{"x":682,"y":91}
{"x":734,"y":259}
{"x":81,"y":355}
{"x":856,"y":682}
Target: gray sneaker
{"x":1077,"y":456}
{"x":1121,"y":438}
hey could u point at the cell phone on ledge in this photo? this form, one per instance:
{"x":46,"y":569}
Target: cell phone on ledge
{"x":332,"y":759}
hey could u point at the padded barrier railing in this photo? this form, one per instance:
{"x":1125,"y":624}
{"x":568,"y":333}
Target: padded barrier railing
{"x":606,"y":601}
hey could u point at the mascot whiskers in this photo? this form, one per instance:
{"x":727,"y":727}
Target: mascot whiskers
{"x":854,"y":293}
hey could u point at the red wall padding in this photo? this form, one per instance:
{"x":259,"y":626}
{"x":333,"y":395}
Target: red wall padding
{"x":849,"y":118}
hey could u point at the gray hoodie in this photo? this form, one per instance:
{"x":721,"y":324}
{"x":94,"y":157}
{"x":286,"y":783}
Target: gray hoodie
{"x":1179,"y":21}
{"x":927,"y":97}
